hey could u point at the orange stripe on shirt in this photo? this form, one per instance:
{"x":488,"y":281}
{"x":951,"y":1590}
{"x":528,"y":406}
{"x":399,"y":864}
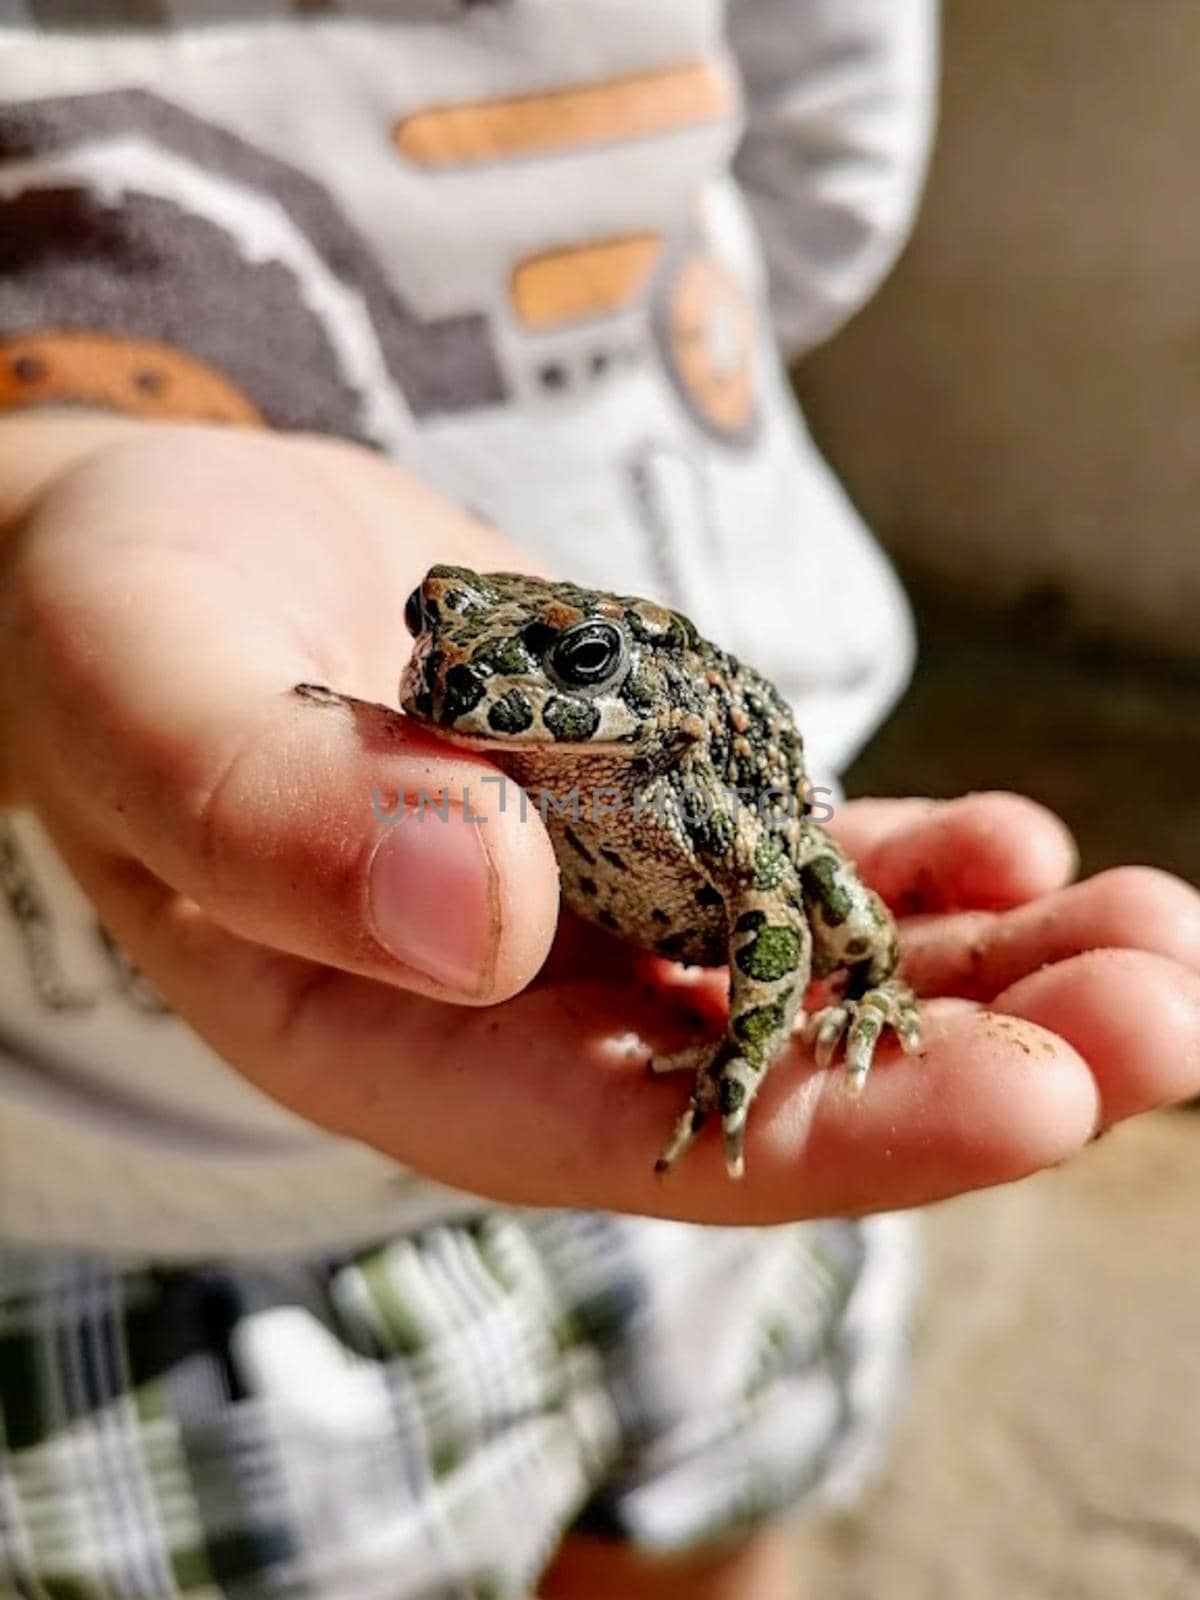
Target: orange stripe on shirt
{"x":588,"y":280}
{"x":567,"y":119}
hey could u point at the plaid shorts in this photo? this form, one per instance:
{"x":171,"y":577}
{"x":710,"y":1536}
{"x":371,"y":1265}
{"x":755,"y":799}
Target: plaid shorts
{"x":428,"y":1417}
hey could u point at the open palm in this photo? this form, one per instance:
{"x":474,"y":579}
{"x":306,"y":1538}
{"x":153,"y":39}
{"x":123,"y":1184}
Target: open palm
{"x":160,"y":601}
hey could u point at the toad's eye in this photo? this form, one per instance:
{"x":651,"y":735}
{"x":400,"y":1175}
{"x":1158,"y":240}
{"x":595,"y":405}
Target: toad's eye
{"x":588,"y":655}
{"x":414,"y":613}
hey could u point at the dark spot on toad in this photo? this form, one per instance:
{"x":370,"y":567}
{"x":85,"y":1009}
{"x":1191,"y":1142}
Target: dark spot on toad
{"x":464,"y":690}
{"x":756,"y":1028}
{"x":570,"y":719}
{"x":639,"y":692}
{"x":714,"y":834}
{"x":771,"y":954}
{"x":731,"y":1096}
{"x":512,"y":713}
{"x":537,"y":637}
{"x":578,"y":846}
{"x":822,"y":884}
{"x":507,"y":656}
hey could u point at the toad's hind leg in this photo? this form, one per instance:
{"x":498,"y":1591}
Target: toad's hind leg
{"x":769,"y":958}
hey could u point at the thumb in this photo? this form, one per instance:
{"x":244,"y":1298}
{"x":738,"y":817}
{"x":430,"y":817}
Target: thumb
{"x":459,"y":885}
{"x":331,"y":828}
{"x":157,"y":605}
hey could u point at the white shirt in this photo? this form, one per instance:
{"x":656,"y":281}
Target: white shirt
{"x":540,"y":252}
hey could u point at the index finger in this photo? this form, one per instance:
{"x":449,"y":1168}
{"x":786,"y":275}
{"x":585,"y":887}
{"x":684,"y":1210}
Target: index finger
{"x":979,"y":852}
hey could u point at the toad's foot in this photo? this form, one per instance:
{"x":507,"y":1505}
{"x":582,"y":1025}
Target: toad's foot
{"x":891,"y":1004}
{"x":725,"y":1081}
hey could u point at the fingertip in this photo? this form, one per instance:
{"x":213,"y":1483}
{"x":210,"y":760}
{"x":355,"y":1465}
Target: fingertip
{"x":1023,"y":848}
{"x":527,"y":898}
{"x":1143,"y":908}
{"x":1133,"y":1016}
{"x":986,"y":1100}
{"x":463,"y":886}
{"x":490,"y":893}
{"x":986,"y":851}
{"x":1004,"y":849}
{"x":1028,"y":1098}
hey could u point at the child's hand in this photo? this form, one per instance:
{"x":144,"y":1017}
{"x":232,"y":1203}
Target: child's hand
{"x":1092,"y":994}
{"x":158,"y":602}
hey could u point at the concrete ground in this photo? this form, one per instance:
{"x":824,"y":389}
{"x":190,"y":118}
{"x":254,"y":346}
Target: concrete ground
{"x":1051,"y":1446}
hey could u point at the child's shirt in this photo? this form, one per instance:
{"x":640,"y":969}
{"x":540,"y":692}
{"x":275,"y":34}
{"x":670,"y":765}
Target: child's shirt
{"x":540,"y":252}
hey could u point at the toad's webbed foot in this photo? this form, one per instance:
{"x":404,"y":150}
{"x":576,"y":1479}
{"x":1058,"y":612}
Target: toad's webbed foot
{"x":861,"y":1022}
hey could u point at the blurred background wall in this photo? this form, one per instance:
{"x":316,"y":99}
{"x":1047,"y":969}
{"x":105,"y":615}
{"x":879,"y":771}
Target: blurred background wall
{"x":1018,"y":411}
{"x":1018,"y":415}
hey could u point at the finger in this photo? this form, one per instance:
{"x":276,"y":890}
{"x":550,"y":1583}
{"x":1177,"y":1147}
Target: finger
{"x":858,"y":825}
{"x":1133,"y":1017}
{"x":564,"y":1112}
{"x":983,"y":851}
{"x":159,"y":717}
{"x":978,"y":954}
{"x":546,"y":1100}
{"x":341,"y":834}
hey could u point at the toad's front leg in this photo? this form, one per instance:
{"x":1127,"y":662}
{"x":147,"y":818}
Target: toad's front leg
{"x":853,"y":931}
{"x":769,"y":961}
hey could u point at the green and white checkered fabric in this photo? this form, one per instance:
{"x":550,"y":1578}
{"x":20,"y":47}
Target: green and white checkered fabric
{"x":427,"y":1418}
